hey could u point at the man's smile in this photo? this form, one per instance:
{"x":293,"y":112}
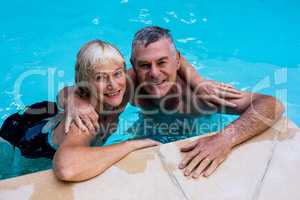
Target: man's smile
{"x":157,"y":82}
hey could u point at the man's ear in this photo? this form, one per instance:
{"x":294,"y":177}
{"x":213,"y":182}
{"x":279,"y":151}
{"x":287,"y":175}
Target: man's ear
{"x":132,"y":63}
{"x":178,"y":59}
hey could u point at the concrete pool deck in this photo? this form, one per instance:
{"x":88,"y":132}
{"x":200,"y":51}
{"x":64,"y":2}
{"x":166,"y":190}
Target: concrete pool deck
{"x":265,"y":167}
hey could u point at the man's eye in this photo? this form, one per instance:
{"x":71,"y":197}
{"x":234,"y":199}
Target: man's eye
{"x":144,"y":65}
{"x":161,"y":63}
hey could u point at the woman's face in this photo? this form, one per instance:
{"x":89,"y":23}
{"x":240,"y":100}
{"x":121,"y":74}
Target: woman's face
{"x":109,"y":80}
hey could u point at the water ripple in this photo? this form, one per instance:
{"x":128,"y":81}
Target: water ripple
{"x":143,"y":17}
{"x":190,"y":21}
{"x":96,"y":21}
{"x":186,"y":40}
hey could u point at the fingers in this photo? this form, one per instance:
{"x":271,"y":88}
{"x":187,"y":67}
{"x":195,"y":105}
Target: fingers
{"x":225,"y":94}
{"x":224,"y":84}
{"x":94,"y":120}
{"x":211,"y":107}
{"x":68,"y":122}
{"x":223,"y":102}
{"x":186,"y":160}
{"x":213,"y":100}
{"x":227,"y":85}
{"x":189,"y":146}
{"x":230,"y":89}
{"x":213,"y":167}
{"x":84,"y":123}
{"x":87,"y":122}
{"x":202,"y":166}
{"x":80,"y":124}
{"x":193,"y":164}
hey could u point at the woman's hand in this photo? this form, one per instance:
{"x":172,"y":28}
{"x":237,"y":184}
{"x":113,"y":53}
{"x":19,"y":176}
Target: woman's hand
{"x":82,"y":113}
{"x":216,"y":94}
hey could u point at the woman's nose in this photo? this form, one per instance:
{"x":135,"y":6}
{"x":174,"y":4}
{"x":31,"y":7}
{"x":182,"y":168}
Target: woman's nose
{"x":111,"y":84}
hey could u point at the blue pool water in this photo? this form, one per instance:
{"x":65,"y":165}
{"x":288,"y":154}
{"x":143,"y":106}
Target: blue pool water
{"x":253,"y":45}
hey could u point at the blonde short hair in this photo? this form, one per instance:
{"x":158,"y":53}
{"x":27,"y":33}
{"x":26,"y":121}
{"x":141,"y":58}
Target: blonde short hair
{"x":92,"y":53}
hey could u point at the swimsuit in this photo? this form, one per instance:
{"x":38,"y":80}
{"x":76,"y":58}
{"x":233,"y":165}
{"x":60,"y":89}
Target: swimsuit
{"x":31,"y":129}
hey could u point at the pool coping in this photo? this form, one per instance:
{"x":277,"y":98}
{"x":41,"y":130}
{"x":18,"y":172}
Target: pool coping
{"x":173,"y":183}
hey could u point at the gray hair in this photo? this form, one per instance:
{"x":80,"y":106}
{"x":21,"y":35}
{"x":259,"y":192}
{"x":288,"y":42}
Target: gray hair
{"x":93,"y":53}
{"x":148,"y":35}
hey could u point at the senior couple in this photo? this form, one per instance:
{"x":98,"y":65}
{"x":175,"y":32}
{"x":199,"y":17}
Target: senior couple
{"x":160,"y":81}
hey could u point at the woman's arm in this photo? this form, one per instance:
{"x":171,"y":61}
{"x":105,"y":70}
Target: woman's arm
{"x":75,"y":160}
{"x":188,"y":73}
{"x":212,"y":93}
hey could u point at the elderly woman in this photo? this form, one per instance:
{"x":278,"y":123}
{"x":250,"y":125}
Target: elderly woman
{"x":100,"y":77}
{"x":78,"y":155}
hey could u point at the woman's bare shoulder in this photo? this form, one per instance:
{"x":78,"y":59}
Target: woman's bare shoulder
{"x":75,"y":136}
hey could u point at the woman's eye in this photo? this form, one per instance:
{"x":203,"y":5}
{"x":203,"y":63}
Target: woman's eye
{"x":100,"y":78}
{"x":118,"y":73}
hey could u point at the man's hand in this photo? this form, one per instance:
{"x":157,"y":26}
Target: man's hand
{"x":82,"y":114}
{"x":203,"y":156}
{"x":215,"y":94}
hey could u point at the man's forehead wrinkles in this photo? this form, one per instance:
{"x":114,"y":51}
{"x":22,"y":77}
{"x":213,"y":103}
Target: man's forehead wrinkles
{"x":163,"y":58}
{"x":140,"y":61}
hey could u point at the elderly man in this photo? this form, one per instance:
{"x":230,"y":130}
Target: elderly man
{"x":158,"y":88}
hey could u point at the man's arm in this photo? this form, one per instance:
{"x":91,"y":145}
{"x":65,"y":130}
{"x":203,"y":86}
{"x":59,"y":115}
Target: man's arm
{"x":76,"y":160}
{"x":77,"y":110}
{"x":63,"y":94}
{"x":257,"y":113}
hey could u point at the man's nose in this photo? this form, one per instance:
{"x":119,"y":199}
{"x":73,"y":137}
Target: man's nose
{"x":154,"y":71}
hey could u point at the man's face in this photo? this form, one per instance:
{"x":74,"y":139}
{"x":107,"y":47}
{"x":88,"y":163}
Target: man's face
{"x":156,"y":67}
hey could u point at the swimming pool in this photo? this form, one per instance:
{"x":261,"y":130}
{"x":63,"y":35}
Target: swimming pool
{"x":252,"y":44}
